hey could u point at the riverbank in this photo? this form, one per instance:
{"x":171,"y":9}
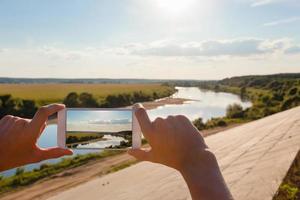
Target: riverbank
{"x":69,"y":178}
{"x":164,"y":101}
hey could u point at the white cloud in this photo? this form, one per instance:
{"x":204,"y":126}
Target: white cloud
{"x":261,"y":2}
{"x":160,"y":59}
{"x":242,"y":47}
{"x":282,"y":21}
{"x":256,"y":3}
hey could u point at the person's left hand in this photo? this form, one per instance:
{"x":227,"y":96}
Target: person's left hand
{"x":18,"y":139}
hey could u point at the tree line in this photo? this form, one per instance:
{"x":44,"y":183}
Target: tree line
{"x":27,"y":108}
{"x":17,"y":107}
{"x":87,"y":100}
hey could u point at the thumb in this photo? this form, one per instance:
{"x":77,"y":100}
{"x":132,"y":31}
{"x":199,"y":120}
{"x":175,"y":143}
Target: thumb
{"x":54,"y":152}
{"x":140,"y":154}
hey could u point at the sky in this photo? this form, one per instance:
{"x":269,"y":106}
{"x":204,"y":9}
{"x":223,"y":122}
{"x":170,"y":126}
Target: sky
{"x":153,"y":39}
{"x":95,"y":120}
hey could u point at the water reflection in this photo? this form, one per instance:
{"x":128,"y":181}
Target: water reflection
{"x":204,"y":103}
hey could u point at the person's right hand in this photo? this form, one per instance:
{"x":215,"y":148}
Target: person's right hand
{"x":176,"y":142}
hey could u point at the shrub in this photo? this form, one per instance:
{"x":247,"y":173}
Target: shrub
{"x":234,"y":111}
{"x":290,"y":102}
{"x":221,"y":122}
{"x":44,"y":166}
{"x":87,"y":100}
{"x":293,"y":91}
{"x":19,"y":171}
{"x":71,"y":100}
{"x":278,"y":96}
{"x":289,"y":191}
{"x":199,"y":124}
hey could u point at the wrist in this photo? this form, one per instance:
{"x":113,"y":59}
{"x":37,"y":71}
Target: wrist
{"x":202,"y":161}
{"x":204,"y":178}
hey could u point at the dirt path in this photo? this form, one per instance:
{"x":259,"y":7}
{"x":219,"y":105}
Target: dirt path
{"x":67,"y":179}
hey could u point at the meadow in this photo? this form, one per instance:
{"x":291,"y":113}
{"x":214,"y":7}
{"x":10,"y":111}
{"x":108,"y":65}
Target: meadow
{"x":51,"y":92}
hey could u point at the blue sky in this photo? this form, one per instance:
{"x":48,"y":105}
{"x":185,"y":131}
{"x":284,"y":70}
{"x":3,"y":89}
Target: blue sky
{"x":190,"y":39}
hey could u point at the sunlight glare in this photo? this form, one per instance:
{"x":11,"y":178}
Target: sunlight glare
{"x":175,"y":7}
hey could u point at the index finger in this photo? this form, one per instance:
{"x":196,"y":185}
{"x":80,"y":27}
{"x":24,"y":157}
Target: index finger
{"x":143,"y":119}
{"x":41,"y":116}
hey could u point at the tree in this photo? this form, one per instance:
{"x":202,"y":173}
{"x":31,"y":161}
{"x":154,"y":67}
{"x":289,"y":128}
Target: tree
{"x":293,"y":91}
{"x":290,"y":102}
{"x":19,"y":171}
{"x":234,"y":111}
{"x":27,"y":108}
{"x":243,"y":93}
{"x":8,"y":105}
{"x":266,"y":100}
{"x":71,"y":100}
{"x":87,"y":100}
{"x":199,"y":124}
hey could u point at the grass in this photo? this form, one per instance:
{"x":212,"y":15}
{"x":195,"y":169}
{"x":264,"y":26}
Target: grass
{"x":290,"y":186}
{"x":123,"y":165}
{"x":50,"y":93}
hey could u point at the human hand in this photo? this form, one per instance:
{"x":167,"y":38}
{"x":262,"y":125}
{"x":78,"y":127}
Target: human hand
{"x":18,"y":139}
{"x":176,"y":143}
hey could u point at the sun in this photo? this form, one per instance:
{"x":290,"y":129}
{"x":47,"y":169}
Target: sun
{"x":175,"y":7}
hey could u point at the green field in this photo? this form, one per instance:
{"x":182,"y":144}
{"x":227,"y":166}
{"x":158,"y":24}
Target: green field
{"x":49,"y":93}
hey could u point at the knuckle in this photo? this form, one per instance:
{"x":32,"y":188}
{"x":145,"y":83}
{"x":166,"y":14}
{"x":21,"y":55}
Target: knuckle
{"x":15,"y":118}
{"x":158,"y":121}
{"x":6,"y":117}
{"x":181,"y":117}
{"x":140,"y":111}
{"x":21,"y":121}
{"x":170,"y":117}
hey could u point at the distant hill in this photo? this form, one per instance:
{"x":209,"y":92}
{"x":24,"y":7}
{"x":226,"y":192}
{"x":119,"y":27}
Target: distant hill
{"x":66,"y":80}
{"x":87,"y":80}
{"x":258,"y":80}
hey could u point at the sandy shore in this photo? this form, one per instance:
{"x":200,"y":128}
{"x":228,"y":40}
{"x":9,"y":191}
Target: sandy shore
{"x":165,"y":101}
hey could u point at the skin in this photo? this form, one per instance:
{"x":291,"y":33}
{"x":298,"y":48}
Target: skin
{"x":176,"y":143}
{"x":18,"y":139}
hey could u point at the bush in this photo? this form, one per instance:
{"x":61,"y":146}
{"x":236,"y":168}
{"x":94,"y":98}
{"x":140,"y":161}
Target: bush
{"x":289,"y":191}
{"x":19,"y":171}
{"x":199,"y":124}
{"x":44,"y":166}
{"x":293,"y":91}
{"x":221,"y":122}
{"x":254,"y":112}
{"x":216,"y":122}
{"x":290,"y":102}
{"x":71,"y":100}
{"x":278,"y":96}
{"x":234,"y":111}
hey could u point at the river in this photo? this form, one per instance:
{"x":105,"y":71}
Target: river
{"x":202,"y":103}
